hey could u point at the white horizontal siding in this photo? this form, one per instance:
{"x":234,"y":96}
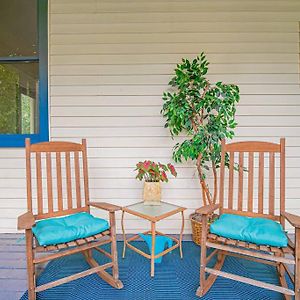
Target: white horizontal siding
{"x":109,"y":63}
{"x":135,"y":58}
{"x":167,"y":69}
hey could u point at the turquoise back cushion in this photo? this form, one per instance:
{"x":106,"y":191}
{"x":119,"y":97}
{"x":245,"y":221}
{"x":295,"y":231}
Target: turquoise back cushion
{"x":69,"y":228}
{"x":253,"y":230}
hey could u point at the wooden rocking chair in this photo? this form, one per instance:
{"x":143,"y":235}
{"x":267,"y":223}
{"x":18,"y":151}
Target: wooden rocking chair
{"x":266,"y":254}
{"x":75,"y":155}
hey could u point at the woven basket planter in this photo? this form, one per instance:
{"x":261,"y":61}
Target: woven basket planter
{"x":196,"y":221}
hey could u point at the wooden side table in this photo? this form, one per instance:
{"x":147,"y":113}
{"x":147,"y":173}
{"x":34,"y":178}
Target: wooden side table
{"x":153,"y":214}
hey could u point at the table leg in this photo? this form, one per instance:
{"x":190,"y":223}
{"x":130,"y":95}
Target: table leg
{"x":124,"y":235}
{"x":181,"y":233}
{"x":153,"y":248}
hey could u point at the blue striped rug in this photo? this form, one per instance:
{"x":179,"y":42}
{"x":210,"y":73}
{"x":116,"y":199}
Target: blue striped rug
{"x":175,"y":279}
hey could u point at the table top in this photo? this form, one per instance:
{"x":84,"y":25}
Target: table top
{"x":153,"y":212}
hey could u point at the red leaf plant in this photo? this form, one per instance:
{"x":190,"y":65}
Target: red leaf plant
{"x":151,"y":171}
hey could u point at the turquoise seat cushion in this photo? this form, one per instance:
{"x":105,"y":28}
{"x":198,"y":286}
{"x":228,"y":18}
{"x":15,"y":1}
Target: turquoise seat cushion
{"x":253,"y":230}
{"x":69,"y":228}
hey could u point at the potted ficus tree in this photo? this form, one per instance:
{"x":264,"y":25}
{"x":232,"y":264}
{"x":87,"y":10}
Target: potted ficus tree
{"x":153,"y":173}
{"x":205,"y":113}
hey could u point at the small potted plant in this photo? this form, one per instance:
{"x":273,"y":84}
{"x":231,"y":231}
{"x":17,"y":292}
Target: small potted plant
{"x":153,"y":173}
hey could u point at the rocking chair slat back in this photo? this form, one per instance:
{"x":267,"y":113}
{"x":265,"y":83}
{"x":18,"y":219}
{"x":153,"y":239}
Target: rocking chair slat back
{"x":241,"y":180}
{"x":77,"y":179}
{"x":271,"y":183}
{"x":49,"y":181}
{"x":59,"y":181}
{"x":231,"y":178}
{"x":68,"y":162}
{"x":250,"y":182}
{"x":68,"y":180}
{"x":261,"y":183}
{"x":249,"y":161}
{"x":39,"y":182}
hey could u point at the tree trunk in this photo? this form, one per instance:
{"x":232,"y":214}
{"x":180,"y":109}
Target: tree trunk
{"x":208,"y":198}
{"x":214,"y":199}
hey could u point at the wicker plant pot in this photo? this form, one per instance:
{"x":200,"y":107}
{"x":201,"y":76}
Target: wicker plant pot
{"x":196,"y":220}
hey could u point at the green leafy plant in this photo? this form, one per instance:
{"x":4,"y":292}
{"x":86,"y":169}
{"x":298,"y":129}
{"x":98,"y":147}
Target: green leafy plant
{"x":203,"y":111}
{"x":151,"y":171}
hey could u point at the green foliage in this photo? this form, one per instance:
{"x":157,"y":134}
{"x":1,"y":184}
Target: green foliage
{"x":151,"y":171}
{"x":203,"y":111}
{"x":26,"y":113}
{"x":9,"y":84}
{"x":15,"y":106}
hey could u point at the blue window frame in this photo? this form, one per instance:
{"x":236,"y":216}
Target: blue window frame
{"x":40,"y":60}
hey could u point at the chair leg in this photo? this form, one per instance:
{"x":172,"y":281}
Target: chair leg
{"x":206,"y":283}
{"x":88,"y":254}
{"x":297,"y":264}
{"x":200,"y":290}
{"x":30,"y":265}
{"x":281,"y":273}
{"x":209,"y":281}
{"x":114,"y":252}
{"x":116,"y":283}
{"x":113,"y":280}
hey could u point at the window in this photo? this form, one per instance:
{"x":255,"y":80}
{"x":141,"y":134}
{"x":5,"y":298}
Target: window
{"x":23,"y":72}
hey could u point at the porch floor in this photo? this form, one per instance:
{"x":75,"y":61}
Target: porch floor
{"x":13,"y":278}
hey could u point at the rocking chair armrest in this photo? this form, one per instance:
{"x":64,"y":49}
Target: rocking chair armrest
{"x":292,"y":219}
{"x":207,"y":209}
{"x":26,"y":221}
{"x":106,"y":206}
